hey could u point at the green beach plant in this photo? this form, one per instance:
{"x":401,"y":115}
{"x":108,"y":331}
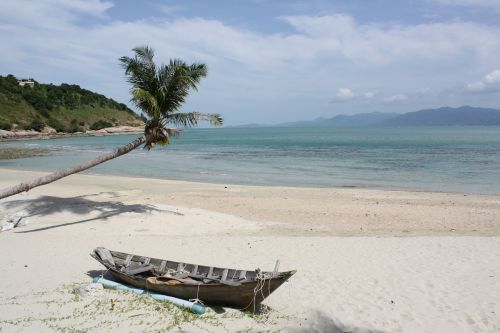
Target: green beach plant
{"x":100,"y":124}
{"x":36,"y":124}
{"x":56,"y":124}
{"x":5,"y":126}
{"x":159,"y":91}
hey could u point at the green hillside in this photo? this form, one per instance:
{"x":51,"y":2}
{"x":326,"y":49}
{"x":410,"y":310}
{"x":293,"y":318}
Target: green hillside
{"x":66,"y":108}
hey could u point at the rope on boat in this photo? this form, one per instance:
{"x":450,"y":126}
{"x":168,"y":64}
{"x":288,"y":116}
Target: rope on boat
{"x":197,"y":300}
{"x":261,"y":280}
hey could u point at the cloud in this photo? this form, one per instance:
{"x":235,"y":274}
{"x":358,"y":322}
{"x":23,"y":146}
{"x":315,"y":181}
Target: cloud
{"x":346,"y":94}
{"x":289,"y":71}
{"x":342,"y":95}
{"x":90,"y":7}
{"x":490,"y":82}
{"x":316,"y":37}
{"x":383,"y":44}
{"x":396,"y":98}
{"x":48,"y":14}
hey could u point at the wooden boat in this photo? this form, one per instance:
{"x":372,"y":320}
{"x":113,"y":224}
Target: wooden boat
{"x":236,"y":288}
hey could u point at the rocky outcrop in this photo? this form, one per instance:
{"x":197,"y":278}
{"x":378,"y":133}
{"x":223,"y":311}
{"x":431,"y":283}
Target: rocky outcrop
{"x":49,"y":132}
{"x":117,"y":130}
{"x":19,"y":134}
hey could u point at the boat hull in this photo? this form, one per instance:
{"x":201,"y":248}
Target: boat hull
{"x":243,"y":294}
{"x":246,"y":296}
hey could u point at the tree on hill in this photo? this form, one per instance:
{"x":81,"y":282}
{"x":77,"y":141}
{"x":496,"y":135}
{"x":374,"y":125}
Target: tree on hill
{"x":159,"y":91}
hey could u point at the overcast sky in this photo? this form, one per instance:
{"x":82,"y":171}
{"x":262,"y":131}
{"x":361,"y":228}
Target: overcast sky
{"x":270,"y":61}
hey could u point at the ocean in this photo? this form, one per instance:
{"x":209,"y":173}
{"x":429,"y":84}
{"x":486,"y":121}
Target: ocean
{"x":445,"y":159}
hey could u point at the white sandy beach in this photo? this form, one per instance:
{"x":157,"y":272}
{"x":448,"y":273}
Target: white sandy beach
{"x":367,"y":260}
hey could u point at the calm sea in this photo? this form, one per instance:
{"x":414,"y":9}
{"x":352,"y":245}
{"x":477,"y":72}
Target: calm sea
{"x":451,"y":159}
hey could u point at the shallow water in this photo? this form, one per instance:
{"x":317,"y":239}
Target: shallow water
{"x":455,"y":159}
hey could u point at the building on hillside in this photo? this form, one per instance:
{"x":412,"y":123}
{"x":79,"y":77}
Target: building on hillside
{"x":26,"y":82}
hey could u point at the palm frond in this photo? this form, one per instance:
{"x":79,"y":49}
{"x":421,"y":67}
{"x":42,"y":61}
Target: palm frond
{"x":141,"y":69}
{"x":160,"y":92}
{"x":196,"y":73}
{"x":146,"y":102}
{"x":176,"y":79}
{"x":145,"y":54}
{"x":171,"y":88}
{"x":190,"y":119}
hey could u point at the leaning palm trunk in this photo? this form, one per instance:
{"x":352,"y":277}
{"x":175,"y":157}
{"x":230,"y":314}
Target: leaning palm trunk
{"x":26,"y":186}
{"x":159,"y":92}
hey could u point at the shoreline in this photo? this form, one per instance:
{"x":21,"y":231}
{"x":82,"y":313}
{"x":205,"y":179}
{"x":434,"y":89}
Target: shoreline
{"x":299,"y":210}
{"x":311,"y":187}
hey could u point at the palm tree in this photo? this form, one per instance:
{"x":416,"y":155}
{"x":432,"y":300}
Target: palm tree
{"x":159,"y":92}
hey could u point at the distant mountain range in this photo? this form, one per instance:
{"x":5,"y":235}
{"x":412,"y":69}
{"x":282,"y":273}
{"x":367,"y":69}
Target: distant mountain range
{"x":465,"y":115}
{"x":342,"y":120}
{"x":445,"y":116}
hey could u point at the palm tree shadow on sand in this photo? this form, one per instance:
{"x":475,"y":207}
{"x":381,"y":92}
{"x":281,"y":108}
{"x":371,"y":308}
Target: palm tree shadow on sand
{"x":80,"y":205}
{"x":320,"y":322}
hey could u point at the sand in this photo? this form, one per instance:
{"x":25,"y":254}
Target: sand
{"x":367,"y":260}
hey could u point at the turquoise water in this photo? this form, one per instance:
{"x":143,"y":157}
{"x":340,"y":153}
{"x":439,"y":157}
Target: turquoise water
{"x":450,"y":159}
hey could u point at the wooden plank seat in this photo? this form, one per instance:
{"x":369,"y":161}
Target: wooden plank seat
{"x":138,"y":270}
